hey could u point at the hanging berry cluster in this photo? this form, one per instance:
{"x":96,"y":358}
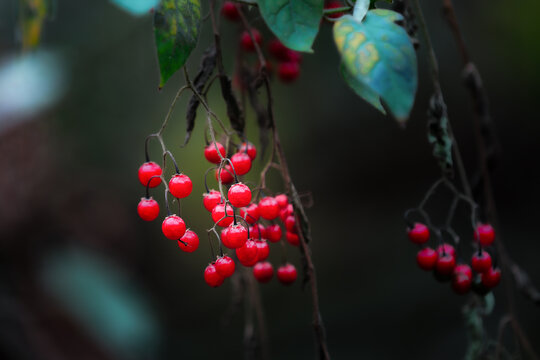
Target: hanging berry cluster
{"x":478,"y":272}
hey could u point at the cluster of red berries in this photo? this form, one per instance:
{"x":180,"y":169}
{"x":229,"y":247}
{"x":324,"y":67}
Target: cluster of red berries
{"x":288,"y":60}
{"x":443,"y":263}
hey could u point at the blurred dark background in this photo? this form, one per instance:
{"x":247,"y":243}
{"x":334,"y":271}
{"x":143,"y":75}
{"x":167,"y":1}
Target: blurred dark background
{"x":82,"y":277}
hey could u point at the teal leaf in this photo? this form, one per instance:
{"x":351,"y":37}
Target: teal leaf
{"x":136,"y":7}
{"x":379,"y":54}
{"x":176,"y":30}
{"x":294,"y":22}
{"x":361,"y":90}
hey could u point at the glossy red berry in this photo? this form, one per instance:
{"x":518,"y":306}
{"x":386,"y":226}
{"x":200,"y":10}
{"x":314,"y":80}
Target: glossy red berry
{"x":277,"y":49}
{"x":226,"y":174}
{"x":173,"y":227}
{"x":288,"y":71}
{"x":241,"y":163}
{"x":180,"y":186}
{"x":146,"y":171}
{"x":229,"y":11}
{"x":445,"y":264}
{"x":485,"y":234}
{"x":273,"y":233}
{"x":225,"y":266}
{"x":463,"y":269}
{"x":212,"y":277}
{"x":148,"y":209}
{"x":285,"y":212}
{"x":248,"y":252}
{"x":211,"y":199}
{"x":282,"y":200}
{"x":461,"y":283}
{"x":247,"y":43}
{"x":218,"y":212}
{"x":263,"y":272}
{"x":334,"y":5}
{"x":225,"y":238}
{"x":427,"y":258}
{"x":250,"y":213}
{"x":257,"y":231}
{"x":292,"y":238}
{"x":263,"y":250}
{"x":419,"y":234}
{"x":268,"y":208}
{"x":249,"y":263}
{"x":491,"y":278}
{"x":191,"y":239}
{"x":290,"y":224}
{"x":287,"y":274}
{"x":239,"y":195}
{"x":250,"y":149}
{"x":236,"y":236}
{"x":481,"y":261}
{"x":211,"y":154}
{"x":446,"y":249}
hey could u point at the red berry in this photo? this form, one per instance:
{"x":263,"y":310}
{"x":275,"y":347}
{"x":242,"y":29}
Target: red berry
{"x":146,"y":171}
{"x":229,"y":11}
{"x":192,"y":241}
{"x":491,"y":278}
{"x":282,"y":200}
{"x":219,"y":212}
{"x":334,"y":5}
{"x":287,"y":274}
{"x":290,"y":224}
{"x":481,"y":261}
{"x":427,"y":258}
{"x":173,"y":227}
{"x":250,"y":149}
{"x":263,"y":272}
{"x":485,"y":234}
{"x":250,"y":213}
{"x":268,"y":208}
{"x":241,"y":163}
{"x":180,"y":186}
{"x":211,"y":154}
{"x":461,"y":283}
{"x":148,"y":209}
{"x":249,"y":263}
{"x":211,"y":199}
{"x":226,"y":174}
{"x":273,"y":233}
{"x":225,"y":237}
{"x":293,"y":56}
{"x":445,"y":264}
{"x":257,"y":231}
{"x":236,"y":236}
{"x":246,"y":42}
{"x":263,"y":250}
{"x":239,"y":195}
{"x":292,"y":238}
{"x":419,"y":234}
{"x":288,"y":71}
{"x":463,"y":269}
{"x":248,"y":252}
{"x":446,"y":249}
{"x":285,"y":212}
{"x":277,"y":49}
{"x":225,"y":266}
{"x":212,"y":277}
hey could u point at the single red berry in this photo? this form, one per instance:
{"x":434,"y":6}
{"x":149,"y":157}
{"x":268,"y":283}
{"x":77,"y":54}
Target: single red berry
{"x":180,"y":186}
{"x":263,"y":272}
{"x":211,"y":154}
{"x":273,"y":233}
{"x":257,"y":231}
{"x":334,"y":5}
{"x":287,"y":274}
{"x":225,"y":237}
{"x":250,"y":149}
{"x":250,"y":213}
{"x":236,"y":236}
{"x":461,"y":283}
{"x":293,"y":56}
{"x":212,"y":277}
{"x":290,"y":224}
{"x":248,"y":252}
{"x":225,"y":266}
{"x":485,"y":234}
{"x":146,"y":171}
{"x":445,"y":264}
{"x":491,"y":278}
{"x":285,"y":212}
{"x":446,"y":249}
{"x":292,"y":238}
{"x":288,"y":71}
{"x":277,"y":49}
{"x":211,"y":199}
{"x":239,"y":195}
{"x":263,"y":250}
{"x":249,"y":263}
{"x":268,"y":208}
{"x":419,"y":234}
{"x":481,"y":261}
{"x":463,"y":269}
{"x":229,"y":11}
{"x":218,"y":212}
{"x":148,"y":209}
{"x":173,"y":227}
{"x":241,"y":163}
{"x":192,"y":241}
{"x":226,"y":174}
{"x":246,"y":42}
{"x":282,"y":200}
{"x":427,"y":258}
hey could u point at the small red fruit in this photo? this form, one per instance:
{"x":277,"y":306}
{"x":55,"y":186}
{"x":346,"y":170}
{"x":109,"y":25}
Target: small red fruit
{"x":481,"y":261}
{"x":287,"y":274}
{"x":491,"y":278}
{"x":288,"y":71}
{"x":148,"y":209}
{"x":225,"y":266}
{"x":427,"y":258}
{"x":257,"y":231}
{"x":445,"y":264}
{"x":282,"y":200}
{"x":334,"y":5}
{"x":250,"y":149}
{"x":226,"y":174}
{"x":293,"y":56}
{"x":485,"y":234}
{"x":419,"y":234}
{"x":229,"y":11}
{"x":290,"y":224}
{"x":292,"y":238}
{"x":246,"y":42}
{"x":241,"y":163}
{"x":248,"y":252}
{"x":180,"y":186}
{"x":211,"y":199}
{"x":146,"y":171}
{"x":211,"y":154}
{"x":285,"y":212}
{"x":192,"y":241}
{"x":212,"y":277}
{"x":263,"y":272}
{"x":446,"y":249}
{"x":277,"y":49}
{"x":219,"y":212}
{"x":250,"y":213}
{"x":273,"y":233}
{"x":268,"y":208}
{"x":239,"y":195}
{"x":461,"y":283}
{"x":237,"y":235}
{"x":173,"y":227}
{"x":463,"y":269}
{"x":225,"y":237}
{"x":263,"y":250}
{"x":249,"y":263}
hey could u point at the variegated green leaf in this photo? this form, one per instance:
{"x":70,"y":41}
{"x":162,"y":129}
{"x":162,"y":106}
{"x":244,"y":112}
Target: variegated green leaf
{"x":361,"y":90}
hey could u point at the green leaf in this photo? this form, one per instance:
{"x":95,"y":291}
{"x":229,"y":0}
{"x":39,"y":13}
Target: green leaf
{"x":294,"y":22}
{"x":361,"y":90}
{"x":379,"y":54}
{"x":176,"y":30}
{"x":136,"y":7}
